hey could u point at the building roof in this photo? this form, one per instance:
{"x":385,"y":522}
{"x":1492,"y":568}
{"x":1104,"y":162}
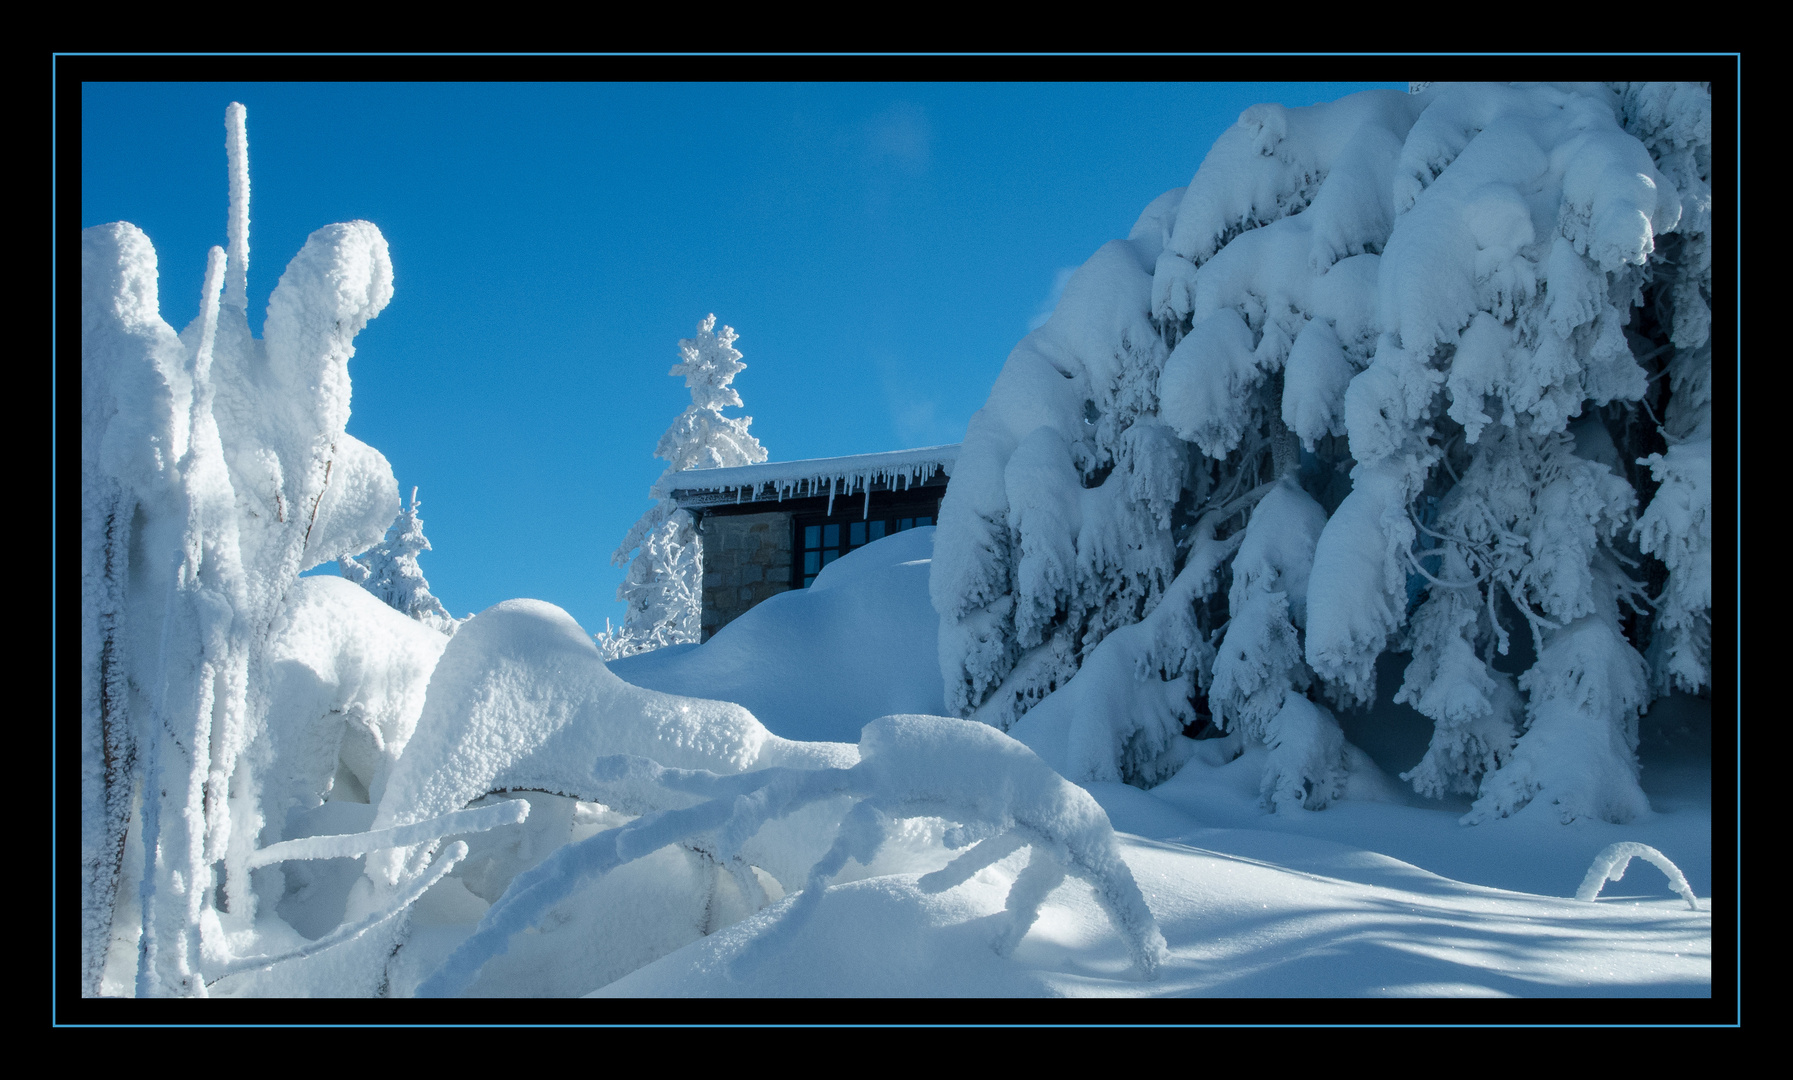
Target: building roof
{"x":770,"y":481}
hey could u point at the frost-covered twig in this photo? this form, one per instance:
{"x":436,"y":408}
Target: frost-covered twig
{"x":1533,"y":618}
{"x":349,"y":845}
{"x":1233,"y":506}
{"x":1413,"y":559}
{"x":452,"y":856}
{"x":1610,"y":865}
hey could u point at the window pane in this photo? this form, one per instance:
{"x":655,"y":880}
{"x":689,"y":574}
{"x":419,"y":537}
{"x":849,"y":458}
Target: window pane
{"x":906,"y":523}
{"x":812,"y":536}
{"x":829,"y":556}
{"x":812,"y":561}
{"x":807,"y":580}
{"x":923,"y":522}
{"x":877,"y":530}
{"x":856,"y":534}
{"x":831,"y":536}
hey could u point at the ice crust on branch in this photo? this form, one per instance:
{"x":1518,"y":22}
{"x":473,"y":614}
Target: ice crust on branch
{"x":1443,"y":318}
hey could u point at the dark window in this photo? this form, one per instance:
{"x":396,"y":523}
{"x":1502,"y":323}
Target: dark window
{"x":823,"y":540}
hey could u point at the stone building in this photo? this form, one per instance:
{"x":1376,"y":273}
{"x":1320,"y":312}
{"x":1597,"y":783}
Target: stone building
{"x":771,"y":527}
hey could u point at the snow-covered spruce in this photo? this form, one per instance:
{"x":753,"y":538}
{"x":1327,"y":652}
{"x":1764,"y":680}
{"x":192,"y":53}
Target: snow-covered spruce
{"x":664,"y":586}
{"x":1439,"y":321}
{"x":1002,"y":796}
{"x":390,"y":571}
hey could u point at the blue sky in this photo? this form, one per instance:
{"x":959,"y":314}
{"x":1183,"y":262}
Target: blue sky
{"x":879,"y":247}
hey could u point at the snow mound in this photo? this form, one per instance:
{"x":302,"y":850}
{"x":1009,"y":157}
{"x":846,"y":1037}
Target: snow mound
{"x":349,"y":677}
{"x":1245,"y":914}
{"x":521,"y":699}
{"x":819,"y":663}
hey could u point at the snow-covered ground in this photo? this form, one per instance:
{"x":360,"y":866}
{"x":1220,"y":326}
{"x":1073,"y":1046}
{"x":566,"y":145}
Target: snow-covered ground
{"x":1381,"y":894}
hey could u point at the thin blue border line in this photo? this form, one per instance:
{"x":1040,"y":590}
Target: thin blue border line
{"x":54,"y":996}
{"x":1737,"y":512}
{"x":980,"y":54}
{"x":1736,"y":616}
{"x":849,"y":1026}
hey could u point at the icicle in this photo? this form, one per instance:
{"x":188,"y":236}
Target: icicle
{"x":236,"y":147}
{"x":867,"y":512}
{"x":831,"y":481}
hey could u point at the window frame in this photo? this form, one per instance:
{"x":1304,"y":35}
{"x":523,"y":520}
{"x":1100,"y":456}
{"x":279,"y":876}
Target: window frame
{"x":843,"y":519}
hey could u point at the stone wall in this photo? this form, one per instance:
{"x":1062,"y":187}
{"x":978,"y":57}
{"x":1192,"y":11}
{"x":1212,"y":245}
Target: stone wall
{"x":746,"y":558}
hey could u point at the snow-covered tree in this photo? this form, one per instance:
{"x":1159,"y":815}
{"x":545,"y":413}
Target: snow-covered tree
{"x":201,"y":505}
{"x":215,"y":468}
{"x":1401,"y":357}
{"x":389,"y":570}
{"x":664,"y":586}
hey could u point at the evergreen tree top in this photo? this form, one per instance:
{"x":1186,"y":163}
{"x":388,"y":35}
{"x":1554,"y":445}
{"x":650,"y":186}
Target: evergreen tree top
{"x":709,"y":362}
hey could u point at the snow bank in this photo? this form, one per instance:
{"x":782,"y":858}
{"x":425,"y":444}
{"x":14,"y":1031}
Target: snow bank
{"x":1003,"y":797}
{"x":1250,"y":906}
{"x":348,"y":676}
{"x":521,"y":700}
{"x":820,"y":663}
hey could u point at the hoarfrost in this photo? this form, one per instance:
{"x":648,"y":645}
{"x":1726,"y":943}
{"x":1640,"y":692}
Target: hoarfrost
{"x":1450,"y":280}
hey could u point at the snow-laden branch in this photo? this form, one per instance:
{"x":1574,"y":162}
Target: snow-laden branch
{"x":236,"y":144}
{"x":349,"y":845}
{"x":350,"y":931}
{"x":1612,"y":861}
{"x":911,"y":766}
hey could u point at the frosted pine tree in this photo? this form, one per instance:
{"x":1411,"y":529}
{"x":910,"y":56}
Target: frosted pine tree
{"x":1388,"y":374}
{"x":390,"y":571}
{"x":664,"y":586}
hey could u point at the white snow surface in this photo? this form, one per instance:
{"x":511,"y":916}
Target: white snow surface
{"x":784,"y":659}
{"x":521,"y":699}
{"x":1382,"y":894}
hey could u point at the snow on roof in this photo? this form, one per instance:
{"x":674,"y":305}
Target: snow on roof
{"x":842,"y":475}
